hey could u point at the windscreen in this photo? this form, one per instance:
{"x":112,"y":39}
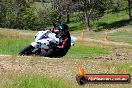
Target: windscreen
{"x":41,"y":36}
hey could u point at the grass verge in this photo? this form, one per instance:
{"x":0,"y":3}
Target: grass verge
{"x":26,"y":81}
{"x":12,"y":41}
{"x":122,"y":35}
{"x":89,"y":49}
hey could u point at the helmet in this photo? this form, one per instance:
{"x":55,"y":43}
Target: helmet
{"x":60,"y":27}
{"x":63,"y":27}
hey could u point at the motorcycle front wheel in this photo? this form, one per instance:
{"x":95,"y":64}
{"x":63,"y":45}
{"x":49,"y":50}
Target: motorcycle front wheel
{"x":27,"y":50}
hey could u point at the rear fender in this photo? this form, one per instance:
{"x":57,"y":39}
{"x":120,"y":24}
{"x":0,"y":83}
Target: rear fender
{"x":73,"y":40}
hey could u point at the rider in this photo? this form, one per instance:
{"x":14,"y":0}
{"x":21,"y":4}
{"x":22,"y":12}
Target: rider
{"x":63,"y":31}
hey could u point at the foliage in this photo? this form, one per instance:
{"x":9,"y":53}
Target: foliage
{"x":19,"y":15}
{"x":26,"y":17}
{"x":6,"y":13}
{"x":23,"y":14}
{"x":63,"y":9}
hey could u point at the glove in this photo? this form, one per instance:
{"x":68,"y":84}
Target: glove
{"x":60,"y":47}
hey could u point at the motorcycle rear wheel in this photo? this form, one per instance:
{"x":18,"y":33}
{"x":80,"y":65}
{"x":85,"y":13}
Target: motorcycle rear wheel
{"x":60,"y":52}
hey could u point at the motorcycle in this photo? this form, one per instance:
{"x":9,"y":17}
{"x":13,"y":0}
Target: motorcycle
{"x":46,"y":43}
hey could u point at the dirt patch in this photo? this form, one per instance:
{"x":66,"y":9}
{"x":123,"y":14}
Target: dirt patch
{"x":63,"y":68}
{"x":40,"y":66}
{"x":53,"y":67}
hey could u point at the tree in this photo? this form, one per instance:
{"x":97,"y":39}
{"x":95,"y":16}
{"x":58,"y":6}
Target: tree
{"x":129,"y":9}
{"x":92,"y":9}
{"x":6,"y":13}
{"x":25,"y":16}
{"x":63,"y":8}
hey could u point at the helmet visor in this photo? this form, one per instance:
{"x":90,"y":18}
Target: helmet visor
{"x":60,"y":28}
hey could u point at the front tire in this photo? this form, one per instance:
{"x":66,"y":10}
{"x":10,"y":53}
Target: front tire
{"x":27,"y":50}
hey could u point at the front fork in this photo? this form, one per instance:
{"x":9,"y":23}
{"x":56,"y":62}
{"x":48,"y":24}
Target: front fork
{"x":37,"y":47}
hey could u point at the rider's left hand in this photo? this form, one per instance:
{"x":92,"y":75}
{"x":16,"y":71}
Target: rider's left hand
{"x":60,"y":47}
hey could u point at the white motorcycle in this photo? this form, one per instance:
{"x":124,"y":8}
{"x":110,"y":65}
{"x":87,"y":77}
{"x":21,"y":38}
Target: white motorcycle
{"x":46,"y":43}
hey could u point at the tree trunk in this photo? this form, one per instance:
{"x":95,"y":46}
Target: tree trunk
{"x":87,"y":21}
{"x":129,"y":9}
{"x":68,"y":18}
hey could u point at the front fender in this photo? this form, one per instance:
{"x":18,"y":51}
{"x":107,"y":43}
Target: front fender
{"x":34,"y":44}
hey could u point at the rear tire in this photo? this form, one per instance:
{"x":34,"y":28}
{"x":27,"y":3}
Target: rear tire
{"x":61,"y":52}
{"x":27,"y":50}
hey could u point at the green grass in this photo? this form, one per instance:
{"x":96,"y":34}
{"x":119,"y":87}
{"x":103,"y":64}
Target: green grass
{"x":109,"y":20}
{"x":122,"y":35}
{"x":93,"y":35}
{"x":76,"y":26}
{"x":87,"y":49}
{"x":26,"y":81}
{"x":121,"y":38}
{"x":39,"y":80}
{"x":12,"y":41}
{"x":17,"y":40}
{"x":13,"y":46}
{"x":97,"y":66}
